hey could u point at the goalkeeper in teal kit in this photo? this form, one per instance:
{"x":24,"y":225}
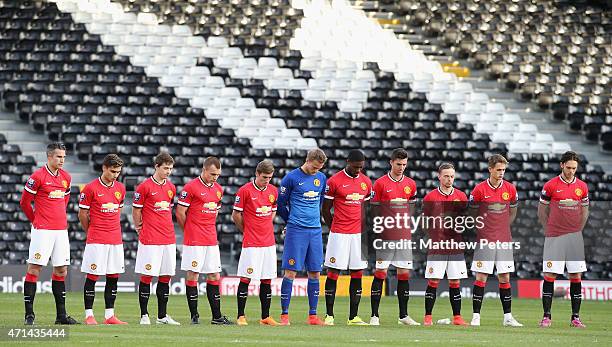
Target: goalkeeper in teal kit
{"x":299,"y":204}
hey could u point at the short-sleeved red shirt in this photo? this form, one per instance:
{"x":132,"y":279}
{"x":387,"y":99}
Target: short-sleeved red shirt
{"x":203,"y":202}
{"x":50,"y":194}
{"x":494,"y":204}
{"x":104,"y":203}
{"x":566,"y":200}
{"x":348,"y":194}
{"x":439,"y":204}
{"x":156,"y":200}
{"x":394,"y":197}
{"x":257,"y":206}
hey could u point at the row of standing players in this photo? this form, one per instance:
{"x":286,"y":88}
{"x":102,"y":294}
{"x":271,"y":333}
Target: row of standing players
{"x":305,"y":196}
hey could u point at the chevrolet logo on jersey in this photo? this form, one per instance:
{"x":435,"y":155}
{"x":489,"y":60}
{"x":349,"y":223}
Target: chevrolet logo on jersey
{"x":496,"y":207}
{"x":568,"y":202}
{"x":399,"y":201}
{"x":162,"y":206}
{"x":110,"y":207}
{"x":56,"y":194}
{"x":210,"y":205}
{"x":354,"y":197}
{"x":311,"y":194}
{"x":263,"y":210}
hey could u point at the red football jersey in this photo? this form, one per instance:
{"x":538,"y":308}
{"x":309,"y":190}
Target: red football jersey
{"x":565,"y":200}
{"x":51,"y":192}
{"x":494,"y":205}
{"x":257,"y":207}
{"x":394,"y":197}
{"x":156,"y":200}
{"x":348,"y":194}
{"x":439,"y":204}
{"x":104,"y":203}
{"x":203,"y":202}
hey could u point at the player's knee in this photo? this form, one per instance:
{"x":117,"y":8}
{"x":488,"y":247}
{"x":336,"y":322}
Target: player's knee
{"x":315,"y":275}
{"x":34,"y":269}
{"x":60,"y":271}
{"x":290,"y":274}
{"x":212,"y":277}
{"x":193,"y":276}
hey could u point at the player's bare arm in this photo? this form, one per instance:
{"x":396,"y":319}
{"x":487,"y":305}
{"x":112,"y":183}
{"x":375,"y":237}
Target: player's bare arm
{"x":137,"y":217}
{"x":543,"y":211}
{"x":326,"y":212}
{"x":585,"y":217}
{"x":238,"y":219}
{"x":181,"y":215}
{"x":84,"y":218}
{"x":513,"y":211}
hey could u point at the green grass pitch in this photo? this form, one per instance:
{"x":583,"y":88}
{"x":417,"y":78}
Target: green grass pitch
{"x":596,"y":315}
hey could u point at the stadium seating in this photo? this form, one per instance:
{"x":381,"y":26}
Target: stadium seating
{"x":101,"y":91}
{"x":556,"y":53}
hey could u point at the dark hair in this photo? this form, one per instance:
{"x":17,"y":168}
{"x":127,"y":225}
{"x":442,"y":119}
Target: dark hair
{"x":53,"y":146}
{"x":496,"y":159}
{"x":112,"y":160}
{"x":355,"y":155}
{"x":445,"y":166}
{"x":399,"y":153}
{"x":212,"y":161}
{"x":570,"y":155}
{"x":265,"y":166}
{"x":163,"y":158}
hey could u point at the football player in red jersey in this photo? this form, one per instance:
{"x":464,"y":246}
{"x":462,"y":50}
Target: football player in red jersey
{"x":196,"y":213}
{"x":100,"y":205}
{"x":348,"y":192}
{"x":563,"y":211}
{"x":49,"y":189}
{"x":254,"y":210}
{"x":394,"y":194}
{"x":496,"y":201}
{"x":156,"y":256}
{"x":443,"y":201}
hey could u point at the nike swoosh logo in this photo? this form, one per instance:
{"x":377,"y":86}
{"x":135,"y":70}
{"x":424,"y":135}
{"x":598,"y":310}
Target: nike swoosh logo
{"x":48,"y":183}
{"x":154,"y":193}
{"x":253,"y":198}
{"x":299,"y":184}
{"x":100,"y":194}
{"x":202,"y":193}
{"x":345,"y":185}
{"x":559,"y":191}
{"x":487,"y":196}
{"x":389,"y":191}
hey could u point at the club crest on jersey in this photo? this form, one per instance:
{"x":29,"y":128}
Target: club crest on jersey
{"x":549,"y":264}
{"x":194,"y":264}
{"x":148,"y":267}
{"x":170,"y":194}
{"x":183,"y":195}
{"x":93,"y":267}
{"x":407,"y":190}
{"x":505,"y":195}
{"x":30,"y":182}
{"x":332,"y":260}
{"x":479,"y":264}
{"x":118,"y":195}
{"x":363,"y":186}
{"x":578,"y":192}
{"x":291,"y":261}
{"x":250,"y":270}
{"x":218,"y":195}
{"x":317,"y":182}
{"x":271,"y":198}
{"x":37,"y":256}
{"x":65,"y":183}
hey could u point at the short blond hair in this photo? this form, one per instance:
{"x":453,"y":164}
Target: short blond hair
{"x":316,"y":154}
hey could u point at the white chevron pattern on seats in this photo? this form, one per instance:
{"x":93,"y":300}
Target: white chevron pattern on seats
{"x":345,"y":33}
{"x":170,"y":54}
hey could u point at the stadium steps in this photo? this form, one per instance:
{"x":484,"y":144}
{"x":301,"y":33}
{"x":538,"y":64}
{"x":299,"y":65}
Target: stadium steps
{"x":34,"y":144}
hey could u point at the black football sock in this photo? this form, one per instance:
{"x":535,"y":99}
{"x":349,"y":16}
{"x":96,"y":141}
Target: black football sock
{"x":376,"y":294}
{"x":355,"y":295}
{"x":576,"y":296}
{"x":548,"y":288}
{"x":505,"y":295}
{"x":430,"y":297}
{"x":265,"y":298}
{"x":89,"y":293}
{"x":58,"y":286}
{"x":162,"y":293}
{"x":144,"y":292}
{"x":214,"y":298}
{"x":454,"y":295}
{"x":29,"y":291}
{"x":403,"y":294}
{"x":242,"y":295}
{"x":477,"y":295}
{"x":110,"y":292}
{"x":330,"y":292}
{"x":191,"y":291}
